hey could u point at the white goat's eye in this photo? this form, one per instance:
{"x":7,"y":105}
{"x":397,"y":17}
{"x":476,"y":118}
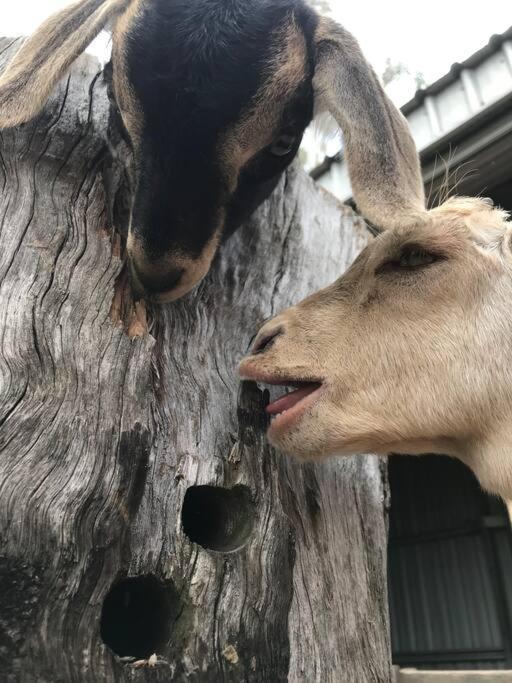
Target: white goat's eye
{"x":410,"y":258}
{"x":283,"y":145}
{"x":414,"y":258}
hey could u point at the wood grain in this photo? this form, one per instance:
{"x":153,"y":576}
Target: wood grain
{"x":108,"y":414}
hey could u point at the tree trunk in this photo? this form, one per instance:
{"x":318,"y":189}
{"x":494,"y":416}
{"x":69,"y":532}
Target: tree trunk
{"x":141,"y":509}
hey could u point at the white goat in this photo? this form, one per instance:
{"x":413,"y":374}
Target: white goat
{"x":408,"y":352}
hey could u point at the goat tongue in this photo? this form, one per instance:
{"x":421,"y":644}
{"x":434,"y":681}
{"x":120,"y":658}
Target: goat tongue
{"x":289,"y":400}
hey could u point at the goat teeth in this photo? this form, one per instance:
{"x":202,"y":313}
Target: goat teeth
{"x":273,"y":417}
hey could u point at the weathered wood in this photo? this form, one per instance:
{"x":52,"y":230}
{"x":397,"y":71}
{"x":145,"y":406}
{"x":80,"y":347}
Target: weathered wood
{"x":110,"y":414}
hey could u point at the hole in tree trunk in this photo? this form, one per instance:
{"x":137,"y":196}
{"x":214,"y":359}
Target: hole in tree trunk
{"x":137,"y":616}
{"x":218,"y":518}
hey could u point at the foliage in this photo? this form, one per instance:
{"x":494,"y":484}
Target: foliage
{"x":396,"y":70}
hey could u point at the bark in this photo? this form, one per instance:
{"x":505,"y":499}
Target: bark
{"x":141,"y":509}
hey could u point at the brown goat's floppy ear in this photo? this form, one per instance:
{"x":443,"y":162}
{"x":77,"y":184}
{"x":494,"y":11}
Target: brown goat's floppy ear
{"x":30,"y":77}
{"x":382,"y":158}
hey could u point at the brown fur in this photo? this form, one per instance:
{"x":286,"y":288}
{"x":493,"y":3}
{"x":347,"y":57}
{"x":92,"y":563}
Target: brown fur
{"x":259,"y":123}
{"x":411,"y":361}
{"x":382,"y":158}
{"x":44,"y":58}
{"x":129,"y":106}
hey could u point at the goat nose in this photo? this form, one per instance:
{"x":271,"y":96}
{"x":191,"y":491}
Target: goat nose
{"x":265,"y":339}
{"x":153,"y":281}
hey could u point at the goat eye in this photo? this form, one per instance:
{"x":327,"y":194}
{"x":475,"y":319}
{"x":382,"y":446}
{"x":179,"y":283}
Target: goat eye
{"x":410,"y":258}
{"x":415,"y":258}
{"x":283,"y":145}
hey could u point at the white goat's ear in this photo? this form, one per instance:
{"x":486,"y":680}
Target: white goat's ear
{"x":30,"y":77}
{"x":382,"y":158}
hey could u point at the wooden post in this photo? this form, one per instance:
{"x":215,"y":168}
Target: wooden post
{"x":141,"y":509}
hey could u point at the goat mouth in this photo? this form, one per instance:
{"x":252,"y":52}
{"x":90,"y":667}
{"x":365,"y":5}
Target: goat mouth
{"x":292,"y":405}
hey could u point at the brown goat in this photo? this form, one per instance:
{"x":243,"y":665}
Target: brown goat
{"x":407,"y":352}
{"x":214,"y":97}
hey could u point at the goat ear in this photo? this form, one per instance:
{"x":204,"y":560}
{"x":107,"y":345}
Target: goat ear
{"x":382,"y":158}
{"x":30,"y":77}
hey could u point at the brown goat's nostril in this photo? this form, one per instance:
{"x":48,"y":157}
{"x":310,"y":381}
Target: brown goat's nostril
{"x":262,"y":343}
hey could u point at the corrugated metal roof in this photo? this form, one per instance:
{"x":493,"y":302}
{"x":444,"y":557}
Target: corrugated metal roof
{"x":464,"y":92}
{"x":495,"y":43}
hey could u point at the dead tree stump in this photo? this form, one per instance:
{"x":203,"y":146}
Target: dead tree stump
{"x":141,"y":510}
